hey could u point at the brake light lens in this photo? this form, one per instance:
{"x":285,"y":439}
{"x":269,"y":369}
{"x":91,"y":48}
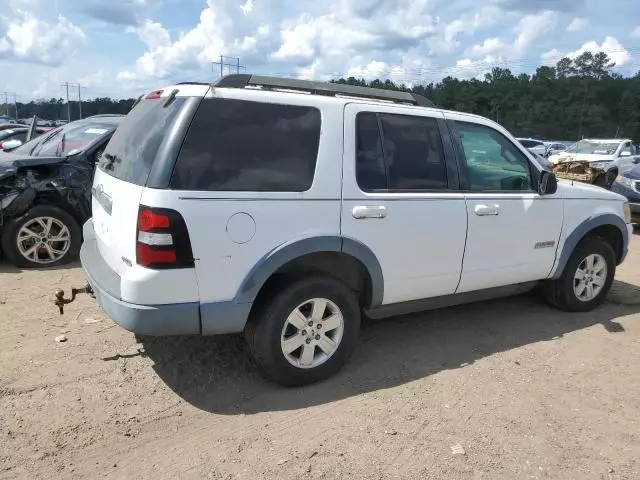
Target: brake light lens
{"x":148,"y":220}
{"x":162,"y":239}
{"x":156,"y":94}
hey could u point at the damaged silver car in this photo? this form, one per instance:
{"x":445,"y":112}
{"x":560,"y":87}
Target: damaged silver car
{"x":45,"y":192}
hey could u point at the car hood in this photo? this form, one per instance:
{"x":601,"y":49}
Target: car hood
{"x":580,"y":157}
{"x":579,"y":190}
{"x":11,"y":162}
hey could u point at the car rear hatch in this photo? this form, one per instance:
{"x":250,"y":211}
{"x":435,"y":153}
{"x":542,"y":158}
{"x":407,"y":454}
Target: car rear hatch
{"x":125,"y":167}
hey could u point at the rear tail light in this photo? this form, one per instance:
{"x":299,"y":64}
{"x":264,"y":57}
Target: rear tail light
{"x":162,"y":239}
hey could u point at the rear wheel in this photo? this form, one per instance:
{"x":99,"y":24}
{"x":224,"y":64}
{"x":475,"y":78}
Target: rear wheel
{"x":586,"y":279}
{"x":306,"y":331}
{"x":46,"y":236}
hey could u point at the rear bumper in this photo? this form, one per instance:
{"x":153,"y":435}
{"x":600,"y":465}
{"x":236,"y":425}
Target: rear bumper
{"x":190,"y":318}
{"x":174,"y":319}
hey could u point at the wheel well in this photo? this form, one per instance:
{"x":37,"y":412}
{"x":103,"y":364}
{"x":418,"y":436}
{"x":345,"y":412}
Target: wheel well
{"x":57,"y":200}
{"x":612,"y":235}
{"x":341,"y":266}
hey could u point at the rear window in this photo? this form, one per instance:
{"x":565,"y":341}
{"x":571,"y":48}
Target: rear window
{"x":238,"y":145}
{"x":133,"y":147}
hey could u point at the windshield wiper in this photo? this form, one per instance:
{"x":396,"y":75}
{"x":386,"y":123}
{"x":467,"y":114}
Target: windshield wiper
{"x":110,"y":160}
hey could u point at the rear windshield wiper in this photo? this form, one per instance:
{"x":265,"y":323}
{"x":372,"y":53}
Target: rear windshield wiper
{"x":109,"y":161}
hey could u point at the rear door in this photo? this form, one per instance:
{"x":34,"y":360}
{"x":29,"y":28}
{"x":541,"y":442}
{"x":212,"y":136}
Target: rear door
{"x":400,"y":198}
{"x":122,"y":174}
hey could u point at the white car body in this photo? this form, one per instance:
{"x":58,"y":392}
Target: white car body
{"x":415,"y":245}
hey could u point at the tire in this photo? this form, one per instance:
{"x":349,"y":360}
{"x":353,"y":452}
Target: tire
{"x":561,"y":292}
{"x":43,"y":257}
{"x":267,"y":329}
{"x":607,"y":179}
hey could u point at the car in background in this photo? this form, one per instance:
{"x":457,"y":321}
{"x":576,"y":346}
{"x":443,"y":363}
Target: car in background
{"x":12,"y":138}
{"x":595,"y":161}
{"x":534,"y":146}
{"x":45,"y":191}
{"x":556,"y":147}
{"x":8,"y":125}
{"x":627,"y":183}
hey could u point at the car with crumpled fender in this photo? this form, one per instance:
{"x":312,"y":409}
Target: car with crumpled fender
{"x":45,"y":192}
{"x":595,"y":161}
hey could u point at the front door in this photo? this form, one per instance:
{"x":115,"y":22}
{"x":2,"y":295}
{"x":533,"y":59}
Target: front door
{"x":399,"y":198}
{"x":513,"y":231}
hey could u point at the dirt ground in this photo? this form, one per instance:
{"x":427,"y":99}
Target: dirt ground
{"x":507,"y":389}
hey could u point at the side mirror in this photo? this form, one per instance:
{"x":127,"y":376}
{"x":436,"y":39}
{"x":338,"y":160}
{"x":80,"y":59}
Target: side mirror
{"x":548,"y":183}
{"x":626,"y":153}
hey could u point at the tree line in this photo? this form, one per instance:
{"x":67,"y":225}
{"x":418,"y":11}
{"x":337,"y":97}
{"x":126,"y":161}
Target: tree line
{"x":576,"y":98}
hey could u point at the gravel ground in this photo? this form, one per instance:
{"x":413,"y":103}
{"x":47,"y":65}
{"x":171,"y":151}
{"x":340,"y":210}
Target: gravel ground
{"x":506,"y":389}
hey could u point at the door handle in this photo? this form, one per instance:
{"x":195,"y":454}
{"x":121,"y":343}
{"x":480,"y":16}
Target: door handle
{"x":369,"y":211}
{"x":486,"y":210}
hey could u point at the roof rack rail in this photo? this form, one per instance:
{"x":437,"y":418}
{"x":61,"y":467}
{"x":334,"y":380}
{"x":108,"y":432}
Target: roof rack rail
{"x":321,"y":88}
{"x":193,"y":83}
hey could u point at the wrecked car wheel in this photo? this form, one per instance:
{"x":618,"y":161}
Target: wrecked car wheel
{"x":46,"y":236}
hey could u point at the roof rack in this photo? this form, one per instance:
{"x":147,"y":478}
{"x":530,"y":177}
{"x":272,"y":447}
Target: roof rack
{"x":193,"y":83}
{"x":321,"y":88}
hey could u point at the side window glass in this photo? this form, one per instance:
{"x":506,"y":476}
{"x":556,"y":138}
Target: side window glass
{"x":370,"y":169}
{"x":493,"y":162}
{"x":414,"y":153}
{"x":238,"y":145}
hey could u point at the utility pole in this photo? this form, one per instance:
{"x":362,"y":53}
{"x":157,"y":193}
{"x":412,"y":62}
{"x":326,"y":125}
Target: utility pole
{"x":223,"y":64}
{"x":80,"y":87}
{"x":15,"y":104}
{"x":66,"y":84}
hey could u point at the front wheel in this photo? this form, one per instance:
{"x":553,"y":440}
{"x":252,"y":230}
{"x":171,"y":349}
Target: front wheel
{"x":586,"y":279}
{"x":46,"y":236}
{"x":306,"y":331}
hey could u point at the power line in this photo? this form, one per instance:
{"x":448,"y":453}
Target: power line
{"x":223,"y":64}
{"x":79,"y":87}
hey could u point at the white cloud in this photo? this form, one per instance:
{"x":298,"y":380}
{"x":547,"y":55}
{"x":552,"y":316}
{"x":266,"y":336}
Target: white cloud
{"x":577,"y":24}
{"x":489,"y":47}
{"x":532,"y":28}
{"x":636,"y":32}
{"x":152,"y":34}
{"x":610,"y":46}
{"x":529,"y":30}
{"x":247,"y":7}
{"x":30,"y":39}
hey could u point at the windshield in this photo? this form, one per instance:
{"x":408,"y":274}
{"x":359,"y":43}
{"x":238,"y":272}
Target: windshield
{"x":594,"y":148}
{"x":72,"y":138}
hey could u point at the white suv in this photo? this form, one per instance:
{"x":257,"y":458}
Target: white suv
{"x":286,"y":209}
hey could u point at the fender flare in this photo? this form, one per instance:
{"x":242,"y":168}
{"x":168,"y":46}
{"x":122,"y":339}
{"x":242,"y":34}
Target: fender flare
{"x":581,"y":230}
{"x":280,"y":256}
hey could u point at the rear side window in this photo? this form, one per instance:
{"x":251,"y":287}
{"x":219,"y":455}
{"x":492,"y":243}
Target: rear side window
{"x":237,"y":145}
{"x":132,"y":149}
{"x":411,"y":148}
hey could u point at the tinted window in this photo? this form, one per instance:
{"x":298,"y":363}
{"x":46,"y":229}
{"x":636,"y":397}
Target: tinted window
{"x":133,"y":147}
{"x":413,"y":153}
{"x":493,"y":162}
{"x":236,"y":145}
{"x":370,"y":169}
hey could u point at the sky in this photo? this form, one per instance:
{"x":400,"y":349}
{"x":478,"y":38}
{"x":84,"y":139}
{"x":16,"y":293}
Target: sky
{"x":122,"y":48}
